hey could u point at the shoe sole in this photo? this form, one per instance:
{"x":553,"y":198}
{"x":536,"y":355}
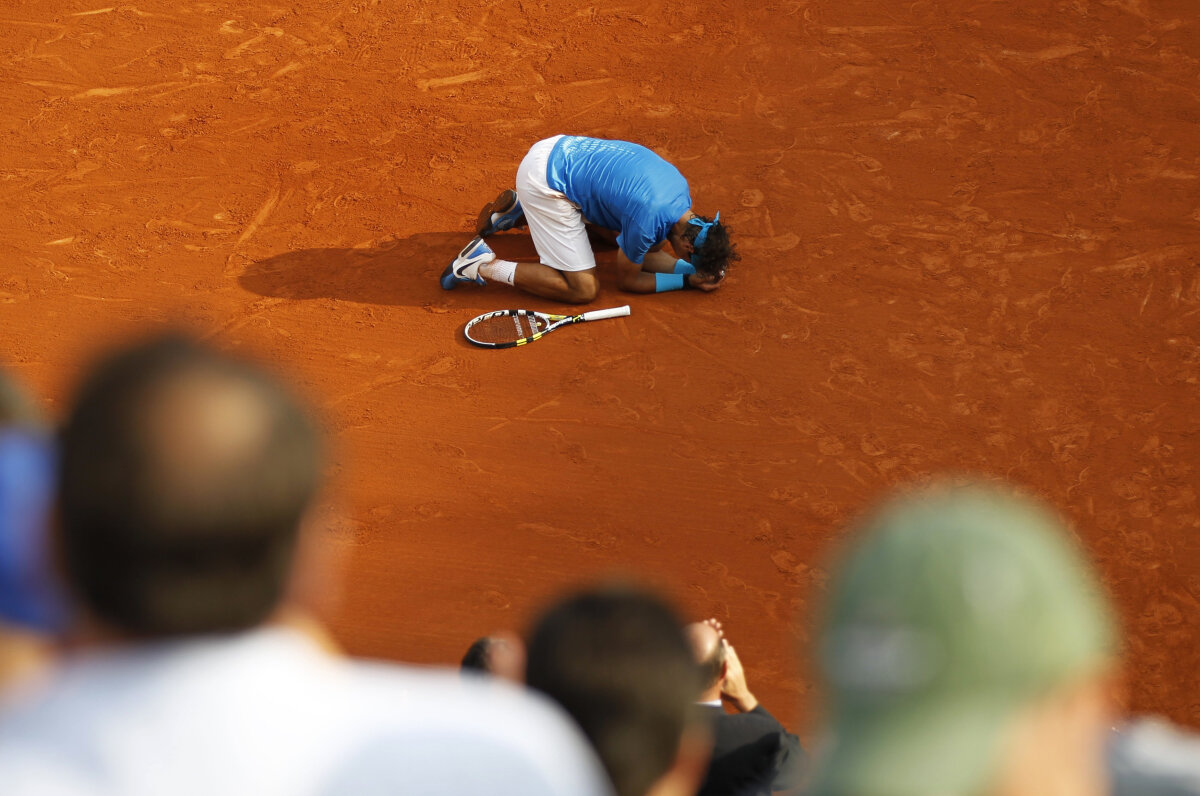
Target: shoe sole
{"x":448,"y":279}
{"x":475,"y":241}
{"x":502,"y":204}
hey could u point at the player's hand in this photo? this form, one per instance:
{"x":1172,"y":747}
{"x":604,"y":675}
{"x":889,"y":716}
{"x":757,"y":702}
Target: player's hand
{"x":705,"y":283}
{"x":734,"y":688}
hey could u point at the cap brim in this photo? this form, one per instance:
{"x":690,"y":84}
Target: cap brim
{"x":947,"y":746}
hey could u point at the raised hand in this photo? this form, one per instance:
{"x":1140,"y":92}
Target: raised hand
{"x":734,"y":688}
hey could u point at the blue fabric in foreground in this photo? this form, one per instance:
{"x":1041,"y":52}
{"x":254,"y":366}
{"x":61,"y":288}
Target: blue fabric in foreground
{"x":29,"y":595}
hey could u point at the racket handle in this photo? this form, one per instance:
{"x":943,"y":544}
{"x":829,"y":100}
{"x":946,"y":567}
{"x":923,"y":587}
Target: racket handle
{"x":599,"y":315}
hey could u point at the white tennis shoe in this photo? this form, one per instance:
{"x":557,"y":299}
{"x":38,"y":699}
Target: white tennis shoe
{"x":465,"y":267}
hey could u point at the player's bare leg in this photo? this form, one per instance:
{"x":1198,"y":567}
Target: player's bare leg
{"x":572,"y":287}
{"x":569,"y":287}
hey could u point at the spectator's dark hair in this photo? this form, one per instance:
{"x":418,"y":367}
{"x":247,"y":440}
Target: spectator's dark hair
{"x":712,"y":666}
{"x":617,"y":660}
{"x":476,"y":658}
{"x":183,"y":479}
{"x":718,"y":252}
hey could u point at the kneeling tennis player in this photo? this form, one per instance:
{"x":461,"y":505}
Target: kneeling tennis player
{"x":566,"y":183}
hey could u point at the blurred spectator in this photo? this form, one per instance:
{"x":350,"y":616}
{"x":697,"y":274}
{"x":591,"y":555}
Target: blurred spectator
{"x":475,"y":659}
{"x":618,"y":661}
{"x":31,"y":605}
{"x":967,"y":648}
{"x":500,"y":654}
{"x":184,"y":478}
{"x":752,"y":752}
{"x":1150,"y":757}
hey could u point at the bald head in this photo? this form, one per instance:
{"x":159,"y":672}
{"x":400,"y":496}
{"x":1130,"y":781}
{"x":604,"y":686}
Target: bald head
{"x":707,"y":650}
{"x":703,"y":639}
{"x":217,"y":448}
{"x":184,"y":478}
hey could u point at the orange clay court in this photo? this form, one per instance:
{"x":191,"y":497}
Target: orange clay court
{"x":970,"y":241}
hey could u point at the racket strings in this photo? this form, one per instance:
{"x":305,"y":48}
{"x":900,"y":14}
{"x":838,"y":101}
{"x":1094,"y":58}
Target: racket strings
{"x":507,"y":328}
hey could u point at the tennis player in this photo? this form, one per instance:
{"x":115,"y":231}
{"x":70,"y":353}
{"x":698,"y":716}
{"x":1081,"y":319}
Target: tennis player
{"x":566,"y":183}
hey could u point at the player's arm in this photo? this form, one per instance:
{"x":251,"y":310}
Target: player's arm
{"x":656,"y":257}
{"x":659,"y":261}
{"x":634,"y":278}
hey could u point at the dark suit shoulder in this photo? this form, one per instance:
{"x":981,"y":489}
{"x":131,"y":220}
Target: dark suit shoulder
{"x":757,"y":720}
{"x":752,"y":754}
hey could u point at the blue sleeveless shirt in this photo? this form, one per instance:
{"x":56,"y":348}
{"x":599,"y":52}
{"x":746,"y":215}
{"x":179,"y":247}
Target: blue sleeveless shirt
{"x":620,"y":186}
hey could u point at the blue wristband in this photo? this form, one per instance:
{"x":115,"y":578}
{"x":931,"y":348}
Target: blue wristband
{"x":684,"y":267}
{"x":665,"y":282}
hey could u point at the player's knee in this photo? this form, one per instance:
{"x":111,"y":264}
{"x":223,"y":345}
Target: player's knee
{"x":584,"y":293}
{"x":583,"y":287}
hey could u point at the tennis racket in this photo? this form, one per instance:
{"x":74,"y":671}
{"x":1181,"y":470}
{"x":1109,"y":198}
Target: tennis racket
{"x":511,"y":328}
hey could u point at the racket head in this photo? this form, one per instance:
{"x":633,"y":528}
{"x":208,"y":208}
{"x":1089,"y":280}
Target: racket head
{"x":508,"y":328}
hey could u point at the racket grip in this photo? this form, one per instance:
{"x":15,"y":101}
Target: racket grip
{"x":599,"y":315}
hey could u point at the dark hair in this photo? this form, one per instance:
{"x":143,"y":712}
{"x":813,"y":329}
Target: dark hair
{"x":476,"y":658}
{"x":712,"y":666}
{"x":617,"y":660}
{"x":184,"y":475}
{"x":718,"y":252}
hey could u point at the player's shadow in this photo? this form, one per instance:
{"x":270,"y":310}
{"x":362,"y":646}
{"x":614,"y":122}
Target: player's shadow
{"x":399,"y":271}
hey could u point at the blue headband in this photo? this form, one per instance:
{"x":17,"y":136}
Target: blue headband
{"x":702,"y":235}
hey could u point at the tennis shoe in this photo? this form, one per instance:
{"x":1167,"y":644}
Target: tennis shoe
{"x":465,"y":267}
{"x":504,"y":213}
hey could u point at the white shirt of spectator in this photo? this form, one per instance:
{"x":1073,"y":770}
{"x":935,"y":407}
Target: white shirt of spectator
{"x":269,"y":714}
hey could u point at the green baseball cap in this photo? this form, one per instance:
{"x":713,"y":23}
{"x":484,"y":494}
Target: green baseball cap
{"x":952,"y":610}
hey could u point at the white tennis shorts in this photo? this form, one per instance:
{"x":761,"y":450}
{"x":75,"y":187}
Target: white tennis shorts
{"x":555,"y":222}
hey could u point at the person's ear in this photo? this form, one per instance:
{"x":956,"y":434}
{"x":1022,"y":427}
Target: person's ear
{"x":506,"y":656}
{"x":318,"y":563}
